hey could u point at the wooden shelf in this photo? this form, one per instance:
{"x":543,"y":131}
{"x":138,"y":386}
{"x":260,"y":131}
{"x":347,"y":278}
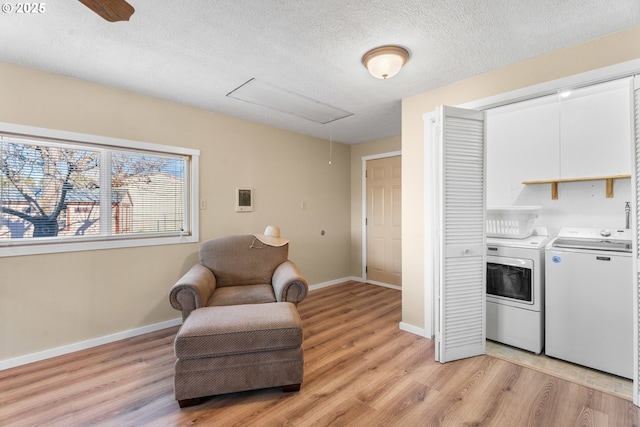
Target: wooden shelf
{"x":554,"y":183}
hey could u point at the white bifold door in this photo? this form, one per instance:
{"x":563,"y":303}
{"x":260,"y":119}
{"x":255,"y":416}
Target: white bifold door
{"x":458,"y":195}
{"x":635,"y":185}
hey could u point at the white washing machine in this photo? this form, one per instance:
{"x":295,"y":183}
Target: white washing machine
{"x":589,"y":299}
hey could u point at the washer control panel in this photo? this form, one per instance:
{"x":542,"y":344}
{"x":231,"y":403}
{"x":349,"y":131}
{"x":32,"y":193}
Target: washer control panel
{"x":595,"y":233}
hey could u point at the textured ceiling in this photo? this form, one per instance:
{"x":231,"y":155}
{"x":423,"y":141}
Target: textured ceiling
{"x":195,"y":52}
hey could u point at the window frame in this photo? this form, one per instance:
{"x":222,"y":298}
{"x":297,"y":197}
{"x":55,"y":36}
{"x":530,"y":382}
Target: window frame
{"x":56,"y":245}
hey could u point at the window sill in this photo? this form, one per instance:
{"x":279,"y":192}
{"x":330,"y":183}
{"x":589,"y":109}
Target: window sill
{"x":57,"y":247}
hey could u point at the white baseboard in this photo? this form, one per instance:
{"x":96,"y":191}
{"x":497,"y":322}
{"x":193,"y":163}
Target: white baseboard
{"x":94,"y":342}
{"x":386,"y":285}
{"x":333,"y":282}
{"x":83,"y":345}
{"x":413,"y":329}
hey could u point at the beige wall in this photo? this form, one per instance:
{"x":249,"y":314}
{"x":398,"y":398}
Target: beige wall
{"x":358,"y":151}
{"x":610,"y":50}
{"x":47,"y":301}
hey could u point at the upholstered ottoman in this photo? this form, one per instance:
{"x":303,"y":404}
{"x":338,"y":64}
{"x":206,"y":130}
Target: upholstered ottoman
{"x":225,"y":349}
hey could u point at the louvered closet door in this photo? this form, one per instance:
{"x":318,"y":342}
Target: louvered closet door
{"x":636,"y":230}
{"x":462,"y":270}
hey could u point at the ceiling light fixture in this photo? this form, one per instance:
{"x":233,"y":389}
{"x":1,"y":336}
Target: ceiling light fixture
{"x":565,"y":93}
{"x":385,"y":61}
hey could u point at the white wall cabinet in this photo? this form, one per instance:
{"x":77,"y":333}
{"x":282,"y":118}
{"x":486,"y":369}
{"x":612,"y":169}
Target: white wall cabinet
{"x":584,"y":133}
{"x":595,"y":130}
{"x":523,"y":143}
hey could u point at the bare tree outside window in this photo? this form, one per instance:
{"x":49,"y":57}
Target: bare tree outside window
{"x":54,"y":191}
{"x":36,"y":180}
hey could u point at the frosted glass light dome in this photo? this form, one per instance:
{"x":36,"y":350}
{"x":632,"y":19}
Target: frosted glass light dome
{"x":385,"y":61}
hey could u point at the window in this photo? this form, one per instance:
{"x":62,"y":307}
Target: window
{"x":61,"y":191}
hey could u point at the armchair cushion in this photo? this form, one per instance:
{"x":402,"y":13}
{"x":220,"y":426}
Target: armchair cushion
{"x":247,"y":294}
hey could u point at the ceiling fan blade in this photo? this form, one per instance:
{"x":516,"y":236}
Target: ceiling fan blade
{"x":111,"y":10}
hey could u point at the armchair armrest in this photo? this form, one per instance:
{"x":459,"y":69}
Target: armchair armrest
{"x":288,"y":283}
{"x":192,"y":290}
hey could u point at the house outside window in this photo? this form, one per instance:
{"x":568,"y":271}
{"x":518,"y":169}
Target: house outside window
{"x":88,"y":192}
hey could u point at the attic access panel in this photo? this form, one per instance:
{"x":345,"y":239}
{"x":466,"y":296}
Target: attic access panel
{"x":270,"y":96}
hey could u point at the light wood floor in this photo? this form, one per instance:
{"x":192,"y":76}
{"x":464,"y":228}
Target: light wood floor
{"x":360,"y":370}
{"x":598,"y":380}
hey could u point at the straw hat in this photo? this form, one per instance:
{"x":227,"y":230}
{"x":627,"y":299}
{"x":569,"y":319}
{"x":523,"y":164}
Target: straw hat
{"x":271,"y":236}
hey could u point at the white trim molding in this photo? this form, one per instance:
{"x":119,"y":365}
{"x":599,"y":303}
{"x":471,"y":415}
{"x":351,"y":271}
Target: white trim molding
{"x":83,"y":345}
{"x":413,"y":330}
{"x":384,"y":285}
{"x":334,"y":282}
{"x":94,"y":342}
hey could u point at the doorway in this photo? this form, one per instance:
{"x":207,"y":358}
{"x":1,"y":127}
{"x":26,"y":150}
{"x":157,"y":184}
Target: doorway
{"x":383,"y":221}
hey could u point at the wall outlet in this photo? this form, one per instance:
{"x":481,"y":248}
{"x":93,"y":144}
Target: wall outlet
{"x":203,"y":204}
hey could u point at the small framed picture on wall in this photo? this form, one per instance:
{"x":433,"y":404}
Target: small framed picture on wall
{"x":244,"y":199}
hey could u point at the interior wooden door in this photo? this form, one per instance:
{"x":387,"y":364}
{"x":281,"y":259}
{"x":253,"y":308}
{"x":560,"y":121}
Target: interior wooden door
{"x":384,"y":220}
{"x":460,"y":234}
